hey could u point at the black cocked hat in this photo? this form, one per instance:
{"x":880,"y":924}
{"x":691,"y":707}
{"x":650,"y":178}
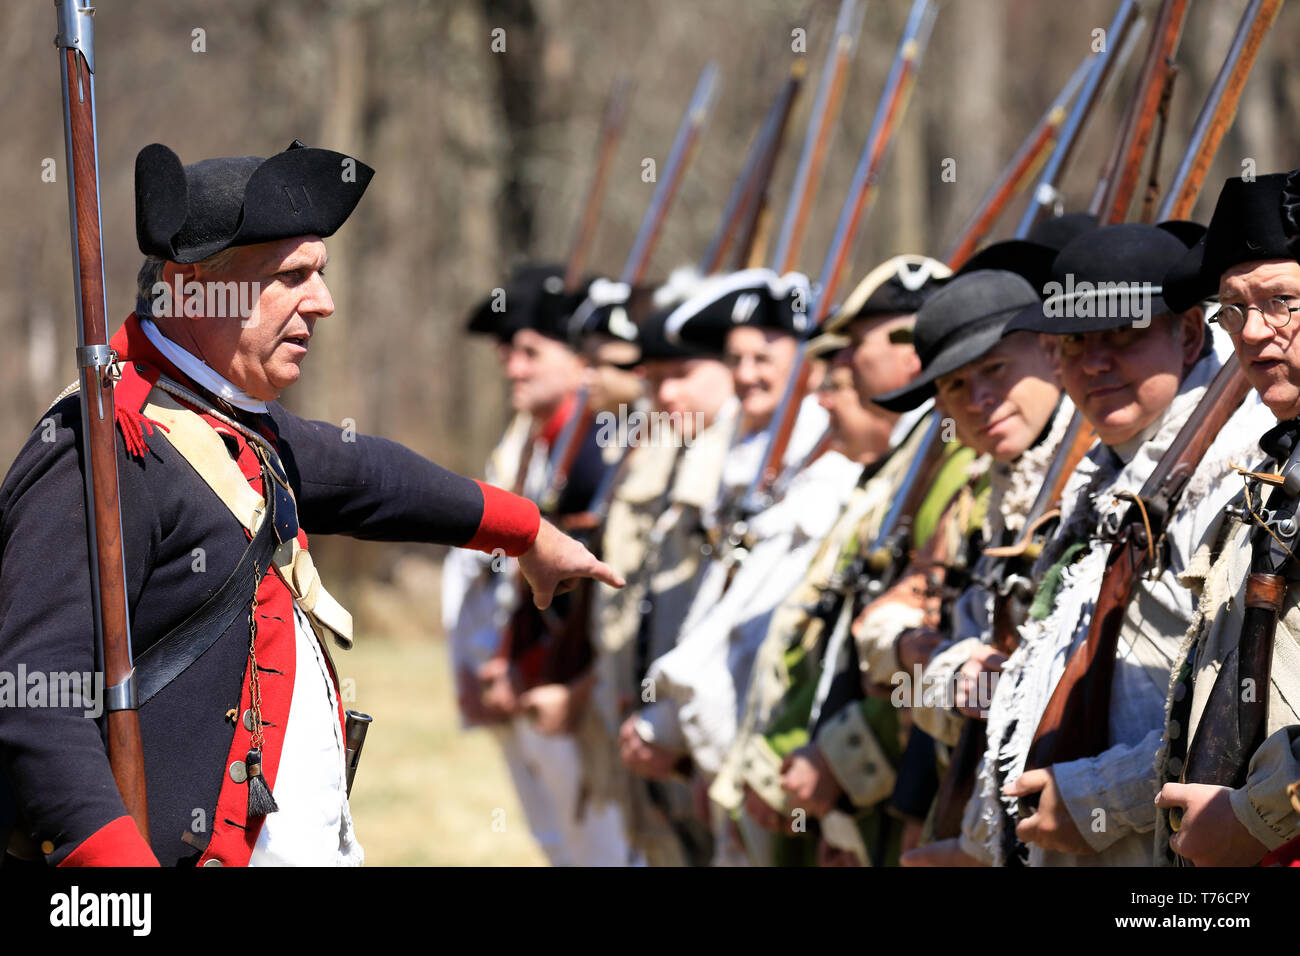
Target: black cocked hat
{"x":1253,"y":220}
{"x":1108,"y":278}
{"x":958,"y":324}
{"x":187,"y":213}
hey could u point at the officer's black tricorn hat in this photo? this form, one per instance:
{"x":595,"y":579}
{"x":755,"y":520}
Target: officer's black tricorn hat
{"x":958,"y":324}
{"x":1108,"y":278}
{"x":1253,"y":221}
{"x":187,"y":213}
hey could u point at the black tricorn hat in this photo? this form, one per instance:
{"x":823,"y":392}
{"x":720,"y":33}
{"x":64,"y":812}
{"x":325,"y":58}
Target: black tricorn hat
{"x":610,"y":309}
{"x":699,"y":325}
{"x":958,"y":324}
{"x":1108,"y":278}
{"x":509,"y":306}
{"x":1252,"y":221}
{"x":898,"y":286}
{"x":187,"y":213}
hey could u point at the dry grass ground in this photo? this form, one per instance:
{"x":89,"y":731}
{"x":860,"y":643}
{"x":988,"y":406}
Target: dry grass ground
{"x":426,"y":790}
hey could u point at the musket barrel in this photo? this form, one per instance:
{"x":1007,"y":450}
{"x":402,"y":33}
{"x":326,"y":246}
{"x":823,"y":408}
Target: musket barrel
{"x":1047,"y":192}
{"x":1219,"y":110}
{"x":678,"y":158}
{"x":821,"y":130}
{"x":75,"y":41}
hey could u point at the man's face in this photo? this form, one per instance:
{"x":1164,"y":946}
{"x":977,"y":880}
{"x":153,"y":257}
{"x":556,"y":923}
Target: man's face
{"x":608,"y":385}
{"x":1124,"y":379}
{"x":685,"y":386}
{"x":263,"y":354}
{"x":1270,"y":357}
{"x":1001,"y":402}
{"x":542,"y":372}
{"x":878,"y":364}
{"x":853,"y":428}
{"x":761,"y":361}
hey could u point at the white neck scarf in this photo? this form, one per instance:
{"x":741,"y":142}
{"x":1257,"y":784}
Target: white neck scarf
{"x":200,"y":371}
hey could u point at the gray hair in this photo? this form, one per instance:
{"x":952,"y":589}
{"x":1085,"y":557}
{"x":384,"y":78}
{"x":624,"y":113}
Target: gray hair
{"x":151,"y":273}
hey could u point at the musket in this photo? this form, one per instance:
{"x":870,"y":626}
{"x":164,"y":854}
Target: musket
{"x":1235,"y":721}
{"x":611,"y":130}
{"x":875,"y":567}
{"x":569,"y":443}
{"x":1076,"y":723}
{"x":1011,"y":593}
{"x":1220,"y":108}
{"x":95,"y":361}
{"x":565,"y":639}
{"x":741,"y":213}
{"x":1152,"y":194}
{"x":1047,"y":194}
{"x":757,"y":215}
{"x":817,"y":140}
{"x":1027,"y":159}
{"x":812,"y":157}
{"x":1070,"y":728}
{"x":862,"y":191}
{"x":1116,"y":189}
{"x":679,"y":158}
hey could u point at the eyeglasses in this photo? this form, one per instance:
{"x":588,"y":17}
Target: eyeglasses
{"x":1276,"y":311}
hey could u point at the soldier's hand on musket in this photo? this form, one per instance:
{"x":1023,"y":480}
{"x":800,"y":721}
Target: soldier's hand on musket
{"x":555,"y":563}
{"x":1051,"y":826}
{"x":970,"y":699}
{"x":761,"y":813}
{"x":1210,"y":833}
{"x":939,"y":853}
{"x":807,"y":777}
{"x":645,"y":759}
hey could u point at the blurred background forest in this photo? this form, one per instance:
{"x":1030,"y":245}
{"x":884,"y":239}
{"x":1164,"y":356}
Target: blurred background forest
{"x":483,"y":159}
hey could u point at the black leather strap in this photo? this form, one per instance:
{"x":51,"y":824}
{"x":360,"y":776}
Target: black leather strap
{"x":162,"y":662}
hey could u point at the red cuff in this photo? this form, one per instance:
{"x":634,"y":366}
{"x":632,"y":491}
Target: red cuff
{"x":509,"y":523}
{"x":116,"y":843}
{"x":1288,"y":854}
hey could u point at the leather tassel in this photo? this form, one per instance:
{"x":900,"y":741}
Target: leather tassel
{"x":260,"y":800}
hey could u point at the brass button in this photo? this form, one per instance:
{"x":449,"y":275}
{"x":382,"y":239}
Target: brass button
{"x":213,"y":862}
{"x":47,"y":847}
{"x":238,"y":772}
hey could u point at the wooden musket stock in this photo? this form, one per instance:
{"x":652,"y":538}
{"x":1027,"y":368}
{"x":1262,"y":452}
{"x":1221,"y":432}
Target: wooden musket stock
{"x":75,"y":41}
